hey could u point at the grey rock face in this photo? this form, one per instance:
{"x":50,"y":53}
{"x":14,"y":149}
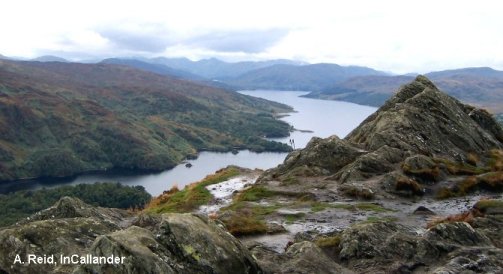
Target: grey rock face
{"x":302,"y":257}
{"x":392,"y":248}
{"x":169,"y":243}
{"x":65,"y":236}
{"x":419,"y":123}
{"x":322,"y":156}
{"x":424,"y":120}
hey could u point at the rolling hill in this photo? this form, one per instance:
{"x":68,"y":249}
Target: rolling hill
{"x":49,"y":58}
{"x":215,"y":69}
{"x":156,"y":68}
{"x":482,"y":87}
{"x":306,"y":77}
{"x":60,"y":119}
{"x":165,"y":70}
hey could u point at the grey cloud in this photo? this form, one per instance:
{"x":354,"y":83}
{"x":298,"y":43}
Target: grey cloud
{"x":148,"y":41}
{"x":250,"y":41}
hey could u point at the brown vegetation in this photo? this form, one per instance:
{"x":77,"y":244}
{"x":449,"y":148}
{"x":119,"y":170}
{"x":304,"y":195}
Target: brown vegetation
{"x":408,"y":185}
{"x":192,"y":196}
{"x":357,"y":192}
{"x":466,"y":216}
{"x":478,"y":210}
{"x":427,"y":174}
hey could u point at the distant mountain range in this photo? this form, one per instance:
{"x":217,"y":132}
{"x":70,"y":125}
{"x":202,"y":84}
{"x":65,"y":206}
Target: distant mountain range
{"x":478,"y":86}
{"x":215,"y":69}
{"x":165,"y":70}
{"x":156,"y":68}
{"x":482,"y":87}
{"x":306,"y":77}
{"x":49,"y":58}
{"x":59,"y":119}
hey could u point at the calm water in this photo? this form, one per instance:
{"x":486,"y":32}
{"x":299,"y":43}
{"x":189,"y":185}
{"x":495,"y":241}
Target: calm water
{"x":324,"y":118}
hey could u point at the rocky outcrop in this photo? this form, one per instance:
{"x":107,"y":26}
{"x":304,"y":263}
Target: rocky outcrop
{"x":68,"y":207}
{"x":423,"y":120}
{"x":302,"y":257}
{"x":446,"y":248}
{"x":321,"y":157}
{"x":169,"y":243}
{"x":400,"y":142}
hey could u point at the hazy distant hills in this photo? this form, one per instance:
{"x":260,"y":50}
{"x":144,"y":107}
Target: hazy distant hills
{"x":156,"y":68}
{"x":217,"y":69}
{"x":58,"y":119}
{"x":478,"y":86}
{"x":165,"y":70}
{"x":306,"y":77}
{"x":49,"y":58}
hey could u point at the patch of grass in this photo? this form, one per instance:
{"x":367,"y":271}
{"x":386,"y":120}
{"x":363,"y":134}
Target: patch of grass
{"x":255,"y":193}
{"x":245,"y":218}
{"x":239,"y":224}
{"x":319,"y":206}
{"x":486,"y":204}
{"x":328,"y":241}
{"x":344,"y":206}
{"x":294,"y":217}
{"x":192,"y":196}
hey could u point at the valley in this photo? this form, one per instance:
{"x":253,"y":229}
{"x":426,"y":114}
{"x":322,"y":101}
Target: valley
{"x":344,"y":117}
{"x":61,"y":119}
{"x":407,"y":191}
{"x":251,"y":137}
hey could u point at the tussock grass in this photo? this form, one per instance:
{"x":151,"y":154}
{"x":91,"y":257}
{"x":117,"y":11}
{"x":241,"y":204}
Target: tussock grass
{"x":427,"y":174}
{"x":492,"y":181}
{"x":408,"y":185}
{"x":328,"y":241}
{"x":192,"y":196}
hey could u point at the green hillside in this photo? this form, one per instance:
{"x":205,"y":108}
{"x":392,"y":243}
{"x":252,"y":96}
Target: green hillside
{"x":59,"y":119}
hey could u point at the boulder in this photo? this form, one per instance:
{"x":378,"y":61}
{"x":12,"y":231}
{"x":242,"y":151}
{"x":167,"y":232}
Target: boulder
{"x":179,"y":243}
{"x":57,"y":237}
{"x":302,"y":257}
{"x":323,"y":156}
{"x":169,"y":243}
{"x":393,"y":248}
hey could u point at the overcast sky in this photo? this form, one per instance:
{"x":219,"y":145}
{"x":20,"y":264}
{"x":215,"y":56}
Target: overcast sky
{"x":398,"y":36}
